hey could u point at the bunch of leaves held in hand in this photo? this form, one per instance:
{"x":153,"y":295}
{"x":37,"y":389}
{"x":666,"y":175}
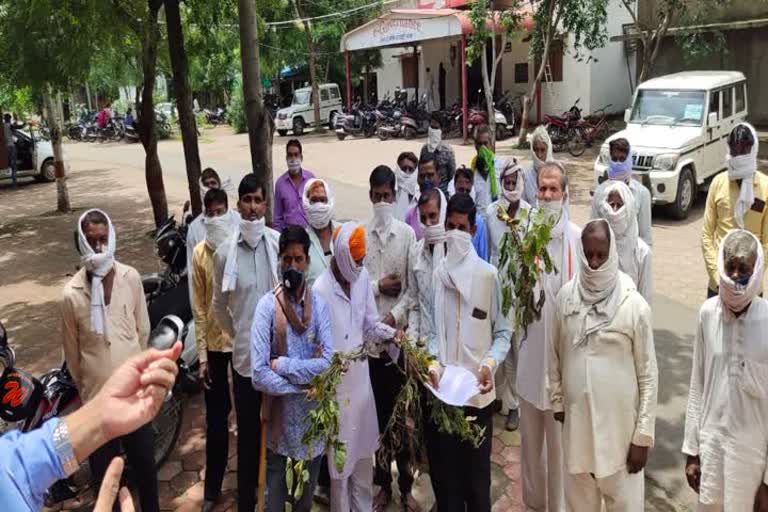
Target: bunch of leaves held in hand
{"x":523,"y":260}
{"x":406,"y":424}
{"x":323,"y":420}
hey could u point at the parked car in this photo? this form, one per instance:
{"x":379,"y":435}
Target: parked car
{"x":301,"y":113}
{"x":678,"y":126}
{"x":34,"y":157}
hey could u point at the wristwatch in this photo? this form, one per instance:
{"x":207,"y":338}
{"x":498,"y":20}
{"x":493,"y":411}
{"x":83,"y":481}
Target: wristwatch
{"x":64,"y":448}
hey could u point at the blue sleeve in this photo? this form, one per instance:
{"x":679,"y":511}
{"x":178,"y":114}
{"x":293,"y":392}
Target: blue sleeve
{"x":301,"y":371}
{"x":264,"y":379}
{"x":502,"y":331}
{"x":480,"y":240}
{"x":29,"y":465}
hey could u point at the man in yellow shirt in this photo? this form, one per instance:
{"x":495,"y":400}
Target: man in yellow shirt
{"x":214,"y":347}
{"x":736,"y":199}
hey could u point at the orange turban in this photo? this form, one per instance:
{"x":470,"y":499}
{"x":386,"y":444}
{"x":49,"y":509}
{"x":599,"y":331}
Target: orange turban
{"x":356,"y":242}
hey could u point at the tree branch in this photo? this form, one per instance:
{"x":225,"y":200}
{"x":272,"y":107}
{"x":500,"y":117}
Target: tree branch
{"x":127,"y":16}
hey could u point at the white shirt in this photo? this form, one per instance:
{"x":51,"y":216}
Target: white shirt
{"x":606,"y":385}
{"x":234,"y":310}
{"x":318,"y":260}
{"x":726,"y":423}
{"x":641,"y":270}
{"x":420,"y":291}
{"x":354,"y":322}
{"x":532,"y":362}
{"x":642,"y":207}
{"x":404,"y":202}
{"x":497,"y":228}
{"x":390,"y":256}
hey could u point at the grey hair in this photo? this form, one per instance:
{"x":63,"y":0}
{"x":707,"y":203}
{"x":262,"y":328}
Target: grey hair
{"x":560,"y":168}
{"x":739,"y":244}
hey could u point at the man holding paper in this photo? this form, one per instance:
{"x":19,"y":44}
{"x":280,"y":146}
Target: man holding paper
{"x":470,"y":332}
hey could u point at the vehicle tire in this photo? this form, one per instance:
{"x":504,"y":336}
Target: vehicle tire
{"x":298,"y":126}
{"x":341,"y":136}
{"x":686,"y":195}
{"x":47,"y":171}
{"x":382,"y":134}
{"x":576,"y":143}
{"x":501,"y":132}
{"x":370,"y":131}
{"x":282,"y":133}
{"x":332,"y":120}
{"x":167,"y":426}
{"x":409,"y":133}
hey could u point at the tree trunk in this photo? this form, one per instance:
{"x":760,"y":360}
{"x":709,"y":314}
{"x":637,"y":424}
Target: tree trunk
{"x":54,"y":124}
{"x":260,"y":126}
{"x":313,"y":75}
{"x":146,"y":119}
{"x":531,"y":96}
{"x":488,"y":90}
{"x":184,"y":102}
{"x":88,"y":96}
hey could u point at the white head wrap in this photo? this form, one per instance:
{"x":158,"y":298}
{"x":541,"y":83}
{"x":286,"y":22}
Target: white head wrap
{"x":511,"y":166}
{"x":623,"y":222}
{"x":98,"y":265}
{"x":407,"y":182}
{"x":735,"y":297}
{"x":319,"y":215}
{"x":540,"y":135}
{"x":349,"y":269}
{"x":597,"y":289}
{"x":743,"y":168}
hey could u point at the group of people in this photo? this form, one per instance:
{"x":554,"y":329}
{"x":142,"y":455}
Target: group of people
{"x":273,"y":304}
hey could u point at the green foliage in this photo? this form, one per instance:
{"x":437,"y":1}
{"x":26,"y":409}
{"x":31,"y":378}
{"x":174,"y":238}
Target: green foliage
{"x":18,"y":100}
{"x":582,"y":20}
{"x":523,"y":261}
{"x":236,"y":109}
{"x":506,"y":21}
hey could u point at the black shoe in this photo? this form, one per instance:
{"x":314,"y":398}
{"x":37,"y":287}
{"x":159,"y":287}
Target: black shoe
{"x":497,"y":406}
{"x":513,"y":420}
{"x":208,"y":505}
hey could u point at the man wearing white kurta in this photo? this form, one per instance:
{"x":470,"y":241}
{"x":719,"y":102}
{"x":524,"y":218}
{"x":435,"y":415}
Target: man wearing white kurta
{"x":540,"y":446}
{"x":726,"y":424}
{"x":346,"y":288}
{"x":620,"y":164}
{"x":407,"y":184}
{"x":470,"y":332}
{"x":635,"y":257}
{"x":428,"y":253}
{"x":512,"y":187}
{"x":603,"y":380}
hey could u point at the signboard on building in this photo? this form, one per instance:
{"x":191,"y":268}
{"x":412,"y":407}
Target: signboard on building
{"x":441,"y":4}
{"x":390,"y":31}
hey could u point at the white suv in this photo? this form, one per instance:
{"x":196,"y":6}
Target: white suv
{"x":678,"y":126}
{"x":301,"y":113}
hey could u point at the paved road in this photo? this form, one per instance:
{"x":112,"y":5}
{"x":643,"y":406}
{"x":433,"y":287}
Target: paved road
{"x":29,"y":296}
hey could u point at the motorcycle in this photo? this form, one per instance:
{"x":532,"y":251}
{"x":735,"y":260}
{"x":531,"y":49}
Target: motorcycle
{"x":561,"y":128}
{"x":216,"y":116}
{"x":359,"y":121}
{"x":415,"y":121}
{"x":33,"y":401}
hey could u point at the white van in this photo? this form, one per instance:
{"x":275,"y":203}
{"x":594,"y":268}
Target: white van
{"x":301,"y":113}
{"x":678,"y":126}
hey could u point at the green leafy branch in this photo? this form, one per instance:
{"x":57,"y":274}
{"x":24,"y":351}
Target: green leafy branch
{"x":522,"y":262}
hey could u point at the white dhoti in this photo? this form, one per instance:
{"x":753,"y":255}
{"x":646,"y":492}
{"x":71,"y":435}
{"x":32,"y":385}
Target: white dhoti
{"x":541,"y":460}
{"x":620,"y":492}
{"x":355,"y":492}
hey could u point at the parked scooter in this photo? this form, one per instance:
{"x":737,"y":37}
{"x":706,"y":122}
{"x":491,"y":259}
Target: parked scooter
{"x":359,"y":121}
{"x":28,"y":402}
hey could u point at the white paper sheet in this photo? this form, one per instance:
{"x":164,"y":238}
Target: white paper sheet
{"x":457,"y":386}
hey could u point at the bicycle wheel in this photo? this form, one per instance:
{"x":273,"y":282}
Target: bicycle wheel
{"x":577,"y":143}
